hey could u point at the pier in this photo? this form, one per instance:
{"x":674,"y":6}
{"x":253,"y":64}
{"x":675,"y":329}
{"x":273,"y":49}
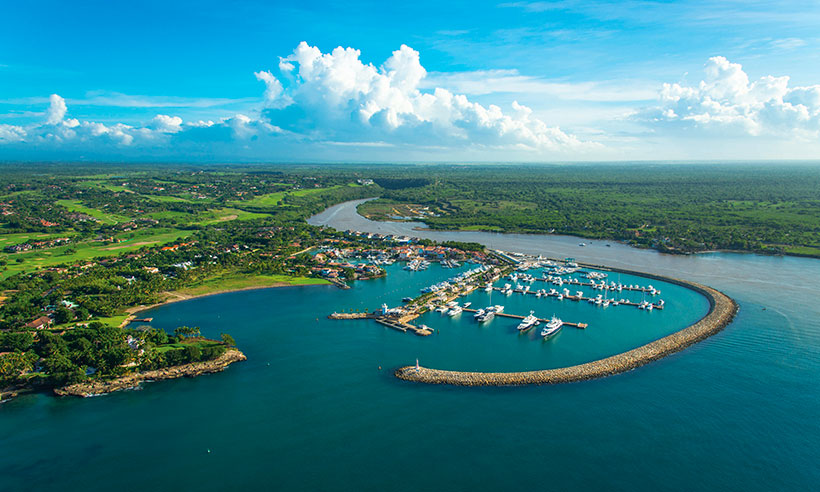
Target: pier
{"x":579,"y":298}
{"x":518,"y":316}
{"x":722,"y":310}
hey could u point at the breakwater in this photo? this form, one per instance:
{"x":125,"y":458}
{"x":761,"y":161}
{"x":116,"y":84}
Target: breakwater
{"x":133,"y":380}
{"x":722,"y":310}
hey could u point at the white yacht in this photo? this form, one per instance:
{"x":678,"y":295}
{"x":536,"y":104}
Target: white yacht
{"x":553,"y":326}
{"x":528,"y":322}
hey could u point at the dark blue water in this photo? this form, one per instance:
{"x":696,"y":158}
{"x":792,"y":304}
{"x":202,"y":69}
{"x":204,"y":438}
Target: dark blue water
{"x":310,"y":409}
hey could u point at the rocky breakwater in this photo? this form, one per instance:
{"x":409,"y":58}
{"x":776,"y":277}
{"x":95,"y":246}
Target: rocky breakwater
{"x":133,"y":380}
{"x":721,"y":312}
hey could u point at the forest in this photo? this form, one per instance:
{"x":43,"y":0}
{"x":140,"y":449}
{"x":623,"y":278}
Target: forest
{"x":674,"y":208}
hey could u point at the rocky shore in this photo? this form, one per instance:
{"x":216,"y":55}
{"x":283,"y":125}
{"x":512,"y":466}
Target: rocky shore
{"x":721,"y":312}
{"x":133,"y":380}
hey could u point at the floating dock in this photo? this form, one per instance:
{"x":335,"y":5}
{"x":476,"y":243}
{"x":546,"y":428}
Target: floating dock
{"x":580,"y":298}
{"x":542,"y":320}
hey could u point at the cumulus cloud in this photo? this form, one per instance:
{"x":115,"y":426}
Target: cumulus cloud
{"x":167,"y":124}
{"x":56,"y":110}
{"x":336,"y":97}
{"x":327,"y":99}
{"x":725,"y":99}
{"x":57,"y":131}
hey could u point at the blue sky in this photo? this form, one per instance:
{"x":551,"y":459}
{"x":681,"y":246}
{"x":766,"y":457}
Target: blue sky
{"x":418,"y":81}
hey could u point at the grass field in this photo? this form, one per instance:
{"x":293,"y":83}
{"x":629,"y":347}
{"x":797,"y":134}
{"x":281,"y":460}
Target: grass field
{"x":269,"y":200}
{"x":167,"y":198}
{"x":273,"y":200}
{"x":237,"y":281}
{"x":36,"y":259}
{"x":176,"y":346}
{"x":225,"y":214}
{"x":25,"y":237}
{"x":104,"y":217}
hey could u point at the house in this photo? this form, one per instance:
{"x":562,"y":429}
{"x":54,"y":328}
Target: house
{"x":39,"y":323}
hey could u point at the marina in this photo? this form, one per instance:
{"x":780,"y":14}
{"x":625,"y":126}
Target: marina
{"x":443,"y":297}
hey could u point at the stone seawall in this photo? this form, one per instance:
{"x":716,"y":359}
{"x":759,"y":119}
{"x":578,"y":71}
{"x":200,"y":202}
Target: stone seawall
{"x":133,"y":380}
{"x":722,"y":310}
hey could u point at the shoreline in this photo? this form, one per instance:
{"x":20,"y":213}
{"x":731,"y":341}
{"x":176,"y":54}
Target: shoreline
{"x":426,"y":227}
{"x":131,"y":381}
{"x":722,"y":310}
{"x":176,"y":296}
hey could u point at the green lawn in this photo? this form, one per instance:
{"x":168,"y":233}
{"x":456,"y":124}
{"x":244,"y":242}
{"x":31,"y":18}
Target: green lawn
{"x":802,"y":250}
{"x":36,"y":259}
{"x":105,"y":217}
{"x":482,"y":228}
{"x":176,"y":346}
{"x":236,"y":281}
{"x":273,"y":200}
{"x":25,"y":237}
{"x":226,"y":214}
{"x":166,"y":198}
{"x":269,"y":200}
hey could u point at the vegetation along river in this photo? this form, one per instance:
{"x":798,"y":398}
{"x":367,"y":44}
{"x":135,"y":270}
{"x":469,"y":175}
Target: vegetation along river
{"x":311,"y":408}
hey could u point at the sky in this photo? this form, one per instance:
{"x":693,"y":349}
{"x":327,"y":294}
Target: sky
{"x":422,"y":81}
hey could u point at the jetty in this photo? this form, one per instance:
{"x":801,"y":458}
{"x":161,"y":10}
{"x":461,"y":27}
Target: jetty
{"x":518,"y":316}
{"x":722,"y":310}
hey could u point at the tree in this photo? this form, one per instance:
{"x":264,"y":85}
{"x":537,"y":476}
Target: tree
{"x":61,"y":370}
{"x":21,"y":341}
{"x":228,"y":340}
{"x":63,"y":315}
{"x":12,"y":365}
{"x":187,"y":331}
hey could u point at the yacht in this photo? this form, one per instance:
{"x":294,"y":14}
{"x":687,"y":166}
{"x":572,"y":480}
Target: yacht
{"x":553,"y":326}
{"x":455,"y":311}
{"x":528,"y":322}
{"x":488,"y":288}
{"x":498,"y":308}
{"x":487,"y":315}
{"x":478,"y":313}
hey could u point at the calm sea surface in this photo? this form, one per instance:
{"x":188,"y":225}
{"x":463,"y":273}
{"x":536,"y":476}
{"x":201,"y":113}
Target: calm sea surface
{"x":311,"y":408}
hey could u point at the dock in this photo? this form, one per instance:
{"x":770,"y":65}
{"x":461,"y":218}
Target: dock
{"x":542,"y":320}
{"x":579,"y":298}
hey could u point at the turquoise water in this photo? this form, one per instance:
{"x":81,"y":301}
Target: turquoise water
{"x":310,"y":409}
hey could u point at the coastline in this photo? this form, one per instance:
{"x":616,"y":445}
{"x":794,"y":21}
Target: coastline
{"x":722,"y":310}
{"x":176,"y":296}
{"x":131,"y":381}
{"x":427,"y":227}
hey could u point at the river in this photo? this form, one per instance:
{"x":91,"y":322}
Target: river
{"x":316,"y":406}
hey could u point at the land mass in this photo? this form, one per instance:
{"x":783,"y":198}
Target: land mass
{"x":131,"y":381}
{"x":673,"y":208}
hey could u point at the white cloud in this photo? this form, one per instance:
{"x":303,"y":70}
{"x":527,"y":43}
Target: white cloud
{"x":11,"y":133}
{"x":273,"y":86}
{"x":56,"y":110}
{"x":167,"y":124}
{"x":336,"y":97}
{"x":57,"y":131}
{"x":320,"y":102}
{"x":726,"y":100}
